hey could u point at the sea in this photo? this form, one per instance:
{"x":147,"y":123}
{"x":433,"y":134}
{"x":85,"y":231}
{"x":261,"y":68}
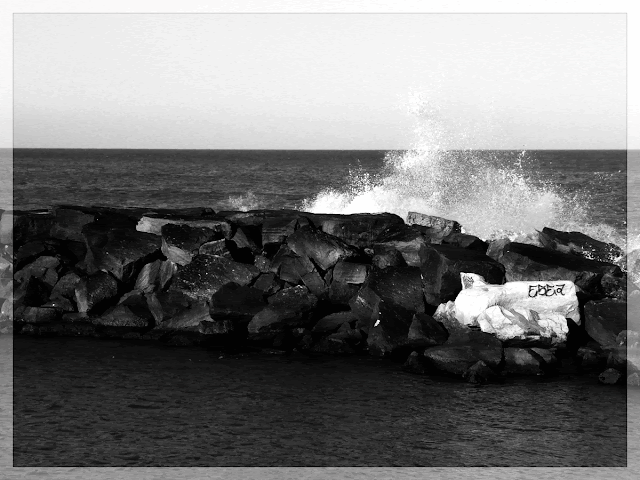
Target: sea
{"x":86,"y":408}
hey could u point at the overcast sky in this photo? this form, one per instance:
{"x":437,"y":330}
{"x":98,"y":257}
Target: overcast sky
{"x":326,"y":81}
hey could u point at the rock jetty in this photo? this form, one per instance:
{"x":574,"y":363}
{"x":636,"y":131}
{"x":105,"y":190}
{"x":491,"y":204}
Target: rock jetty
{"x":420,"y":291}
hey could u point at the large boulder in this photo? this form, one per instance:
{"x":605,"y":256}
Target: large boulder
{"x":68,"y":223}
{"x":181,"y":242}
{"x":441,"y":268}
{"x":332,"y":322}
{"x":441,"y":225}
{"x":206,"y":274}
{"x":166,"y":305}
{"x":153,"y":223}
{"x":463,"y":240}
{"x":95,"y":291}
{"x":122,"y":252}
{"x":346,"y":280}
{"x":236,"y":302}
{"x":322,"y":249}
{"x":66,"y":286}
{"x":360,"y":230}
{"x":21,"y":227}
{"x":288,"y":308}
{"x":604,"y":320}
{"x":425,"y":331}
{"x":457,"y":359}
{"x":529,"y":361}
{"x":384,"y":256}
{"x":410,"y":242}
{"x":43,"y":268}
{"x":528,"y":262}
{"x":296,"y":270}
{"x":149,"y":277}
{"x":580,"y":244}
{"x":186,"y":320}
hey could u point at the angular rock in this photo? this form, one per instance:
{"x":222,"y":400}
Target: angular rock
{"x":457,"y":359}
{"x":387,"y":257}
{"x":166,"y":305}
{"x":496,"y":248}
{"x":322,"y":249}
{"x":425,"y":331}
{"x":181,"y":242}
{"x":415,"y":363}
{"x":633,"y":380}
{"x":577,"y":243}
{"x":206,"y":274}
{"x":388,"y":335}
{"x":94,"y":291}
{"x":121,"y":252}
{"x":614,"y":287}
{"x":262,"y":263}
{"x":410,"y":242}
{"x":215,"y":247}
{"x":167,"y":270}
{"x":359,"y":230}
{"x":217,"y":327}
{"x":32,"y":293}
{"x":479,"y":373}
{"x":446,"y":227}
{"x":441,"y":268}
{"x":331,"y":323}
{"x":153,"y":223}
{"x":529,"y":361}
{"x":298,"y":270}
{"x":29,"y":252}
{"x":65,"y":287}
{"x":149,"y":277}
{"x":604,"y":320}
{"x":610,"y":376}
{"x":235,"y":302}
{"x":628,"y":337}
{"x":35,"y":315}
{"x":268,"y":283}
{"x":333,"y":345}
{"x":121,"y":316}
{"x":346,"y":280}
{"x":43,"y":268}
{"x":625,"y":359}
{"x":61,"y":304}
{"x":27,"y":226}
{"x":528,"y":262}
{"x":187,"y":320}
{"x":462,"y":240}
{"x":287,"y":308}
{"x":68,"y":223}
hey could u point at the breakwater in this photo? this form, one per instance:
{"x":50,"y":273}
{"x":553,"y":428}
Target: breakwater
{"x":320,"y":284}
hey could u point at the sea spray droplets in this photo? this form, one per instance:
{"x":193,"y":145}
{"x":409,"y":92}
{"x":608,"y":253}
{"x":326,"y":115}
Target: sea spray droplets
{"x":244,"y":203}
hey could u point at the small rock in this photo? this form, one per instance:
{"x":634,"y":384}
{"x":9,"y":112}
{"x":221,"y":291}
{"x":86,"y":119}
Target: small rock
{"x":610,"y":376}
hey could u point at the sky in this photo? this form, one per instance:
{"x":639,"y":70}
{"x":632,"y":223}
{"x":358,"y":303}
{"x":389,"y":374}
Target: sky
{"x":319,"y":81}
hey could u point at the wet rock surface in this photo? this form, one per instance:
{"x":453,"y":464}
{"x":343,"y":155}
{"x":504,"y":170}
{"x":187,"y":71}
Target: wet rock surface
{"x":289,"y":281}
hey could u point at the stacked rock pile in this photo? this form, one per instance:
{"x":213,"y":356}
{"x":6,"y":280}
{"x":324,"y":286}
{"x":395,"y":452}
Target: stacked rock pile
{"x":315,"y":283}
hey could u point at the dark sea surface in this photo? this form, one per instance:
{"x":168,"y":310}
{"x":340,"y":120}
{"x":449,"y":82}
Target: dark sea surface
{"x":84,"y":402}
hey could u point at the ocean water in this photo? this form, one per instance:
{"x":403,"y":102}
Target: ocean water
{"x":491,"y":193}
{"x":79,"y":402}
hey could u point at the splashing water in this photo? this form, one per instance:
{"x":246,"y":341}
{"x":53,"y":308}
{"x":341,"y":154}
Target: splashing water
{"x":244,"y":203}
{"x":488,"y":193}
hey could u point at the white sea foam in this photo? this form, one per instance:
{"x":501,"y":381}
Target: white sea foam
{"x":491,"y":197}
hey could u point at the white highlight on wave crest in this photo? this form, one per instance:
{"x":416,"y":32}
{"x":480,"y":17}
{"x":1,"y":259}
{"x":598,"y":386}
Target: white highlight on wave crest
{"x":489,"y":197}
{"x":244,"y":203}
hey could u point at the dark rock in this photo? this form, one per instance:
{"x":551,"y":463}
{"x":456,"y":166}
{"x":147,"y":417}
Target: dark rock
{"x":218,"y":327}
{"x":268,"y":283}
{"x":346,"y":280}
{"x":43,"y":268}
{"x":610,"y":376}
{"x":529,"y":361}
{"x":181,"y":242}
{"x":588,"y":358}
{"x":165,"y":305}
{"x":235,"y":302}
{"x":65,"y":287}
{"x":322,"y":249}
{"x":206,"y":274}
{"x":36,"y":315}
{"x":415,"y":363}
{"x":187,"y":320}
{"x":153,"y":223}
{"x":496,"y":248}
{"x":32,"y":293}
{"x":398,"y":286}
{"x":446,"y":227}
{"x":441,"y":267}
{"x":604,"y":320}
{"x":462,"y":240}
{"x":167,"y":270}
{"x":29,"y":226}
{"x":247,"y":238}
{"x":121,"y":316}
{"x":387,"y":257}
{"x":410,"y":242}
{"x":69,"y":222}
{"x":623,"y":358}
{"x":424,"y":332}
{"x":93,"y":292}
{"x":288,"y":308}
{"x":121,"y":252}
{"x":215,"y":247}
{"x":528,"y":262}
{"x":577,"y":243}
{"x":633,"y":380}
{"x":297,"y":270}
{"x":262,"y":263}
{"x":388,"y":333}
{"x":28,"y":252}
{"x":479,"y":373}
{"x":275,"y":230}
{"x":628,"y":337}
{"x":333,"y":345}
{"x":613,"y":286}
{"x":331,"y":323}
{"x":360,"y":230}
{"x":149,"y":277}
{"x":456,"y":359}
{"x":61,"y":304}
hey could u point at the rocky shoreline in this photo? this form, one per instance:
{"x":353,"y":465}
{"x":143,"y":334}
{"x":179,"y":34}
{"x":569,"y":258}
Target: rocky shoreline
{"x":324,"y":284}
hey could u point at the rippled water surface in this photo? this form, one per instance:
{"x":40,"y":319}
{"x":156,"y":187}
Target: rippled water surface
{"x":86,"y":402}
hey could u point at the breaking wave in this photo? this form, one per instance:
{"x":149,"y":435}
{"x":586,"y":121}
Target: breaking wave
{"x":489,"y":193}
